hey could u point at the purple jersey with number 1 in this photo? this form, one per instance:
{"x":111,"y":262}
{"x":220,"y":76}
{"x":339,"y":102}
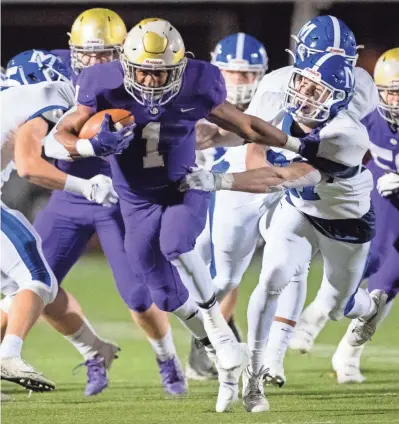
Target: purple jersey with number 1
{"x":161,"y":223}
{"x":383,"y":270}
{"x":68,"y":222}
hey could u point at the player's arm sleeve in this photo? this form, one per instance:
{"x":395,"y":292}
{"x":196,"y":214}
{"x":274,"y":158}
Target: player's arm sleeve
{"x":337,"y":151}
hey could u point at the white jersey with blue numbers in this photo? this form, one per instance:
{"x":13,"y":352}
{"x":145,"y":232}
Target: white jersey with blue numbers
{"x":23,"y":103}
{"x":336,"y":151}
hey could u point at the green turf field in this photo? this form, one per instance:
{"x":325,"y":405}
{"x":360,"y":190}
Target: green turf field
{"x":310,"y":396}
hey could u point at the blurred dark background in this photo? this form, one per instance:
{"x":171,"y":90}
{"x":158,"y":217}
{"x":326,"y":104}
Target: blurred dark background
{"x":202,"y":24}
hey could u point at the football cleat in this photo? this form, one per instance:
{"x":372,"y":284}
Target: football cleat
{"x":16,"y":370}
{"x":359,"y":330}
{"x":275,"y":373}
{"x":172,"y":376}
{"x":346,"y":363}
{"x":310,"y":324}
{"x":253,"y":396}
{"x":228,"y":382}
{"x":97,"y":379}
{"x":199,"y":366}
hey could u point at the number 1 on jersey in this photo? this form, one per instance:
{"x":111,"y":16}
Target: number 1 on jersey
{"x":151,"y":135}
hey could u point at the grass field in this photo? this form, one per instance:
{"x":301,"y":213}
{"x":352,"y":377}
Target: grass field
{"x":310,"y":396}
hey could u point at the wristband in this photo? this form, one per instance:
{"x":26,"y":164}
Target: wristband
{"x":76,"y":185}
{"x":224,"y":181}
{"x":293,"y":144}
{"x":84,"y":148}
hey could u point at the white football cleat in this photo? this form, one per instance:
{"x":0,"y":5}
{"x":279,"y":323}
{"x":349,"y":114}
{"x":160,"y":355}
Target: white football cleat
{"x":231,"y":354}
{"x":253,"y":396}
{"x":228,"y":382}
{"x":346,"y":363}
{"x":360,"y":331}
{"x":310,"y":324}
{"x":275,"y":373}
{"x":16,"y":370}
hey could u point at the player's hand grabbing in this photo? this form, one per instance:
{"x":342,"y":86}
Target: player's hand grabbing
{"x":201,"y":179}
{"x":388,"y":184}
{"x":108,"y":142}
{"x":100,"y":190}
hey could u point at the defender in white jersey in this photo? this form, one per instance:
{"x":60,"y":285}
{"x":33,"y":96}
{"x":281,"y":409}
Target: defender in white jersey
{"x":323,"y":33}
{"x":322,"y":215}
{"x":27,"y":115}
{"x":382,"y":271}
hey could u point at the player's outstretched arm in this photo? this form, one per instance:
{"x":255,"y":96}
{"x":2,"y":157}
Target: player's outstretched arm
{"x":251,"y":129}
{"x":262,"y":180}
{"x":28,"y":156}
{"x":31,"y":165}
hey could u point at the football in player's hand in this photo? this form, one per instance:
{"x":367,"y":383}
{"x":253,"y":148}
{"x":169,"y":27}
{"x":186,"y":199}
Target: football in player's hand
{"x":120,"y":118}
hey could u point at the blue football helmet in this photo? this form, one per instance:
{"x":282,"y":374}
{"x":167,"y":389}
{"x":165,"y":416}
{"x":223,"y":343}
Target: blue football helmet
{"x":320,"y":86}
{"x":33,"y":66}
{"x":325,"y":34}
{"x":243,"y":53}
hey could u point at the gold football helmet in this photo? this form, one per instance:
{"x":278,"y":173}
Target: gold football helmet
{"x":96,"y":36}
{"x":386,"y":77}
{"x":153,"y":46}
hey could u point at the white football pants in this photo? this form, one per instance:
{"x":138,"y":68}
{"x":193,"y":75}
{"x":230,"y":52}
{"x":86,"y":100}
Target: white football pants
{"x":23,"y":265}
{"x":292,"y":242}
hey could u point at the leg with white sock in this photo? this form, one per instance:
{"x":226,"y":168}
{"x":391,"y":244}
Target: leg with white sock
{"x":290,"y":305}
{"x":313,"y":319}
{"x":33,"y":286}
{"x":345,"y":264}
{"x":291,"y":244}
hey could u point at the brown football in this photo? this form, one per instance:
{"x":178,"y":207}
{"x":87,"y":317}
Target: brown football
{"x":120,"y":118}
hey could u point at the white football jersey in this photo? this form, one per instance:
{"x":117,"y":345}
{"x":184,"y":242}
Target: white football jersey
{"x":22,"y":103}
{"x":343,"y":143}
{"x":365,"y":98}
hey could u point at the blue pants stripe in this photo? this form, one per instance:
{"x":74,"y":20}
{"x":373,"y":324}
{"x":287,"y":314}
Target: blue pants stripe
{"x":26,"y":245}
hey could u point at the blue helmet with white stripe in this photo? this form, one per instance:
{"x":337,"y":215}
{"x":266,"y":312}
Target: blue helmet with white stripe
{"x":320,"y":86}
{"x":325,"y":34}
{"x":33,"y":66}
{"x":243,"y":61}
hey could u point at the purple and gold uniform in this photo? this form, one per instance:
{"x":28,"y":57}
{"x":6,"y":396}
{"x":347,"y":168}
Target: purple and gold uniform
{"x":383,"y":270}
{"x":68,"y":222}
{"x":160,"y":222}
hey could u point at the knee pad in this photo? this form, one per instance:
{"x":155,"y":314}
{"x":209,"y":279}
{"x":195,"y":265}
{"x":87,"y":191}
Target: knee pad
{"x":168,"y":298}
{"x":45,"y":292}
{"x":274,"y":279}
{"x":174,"y":246}
{"x":5,"y":303}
